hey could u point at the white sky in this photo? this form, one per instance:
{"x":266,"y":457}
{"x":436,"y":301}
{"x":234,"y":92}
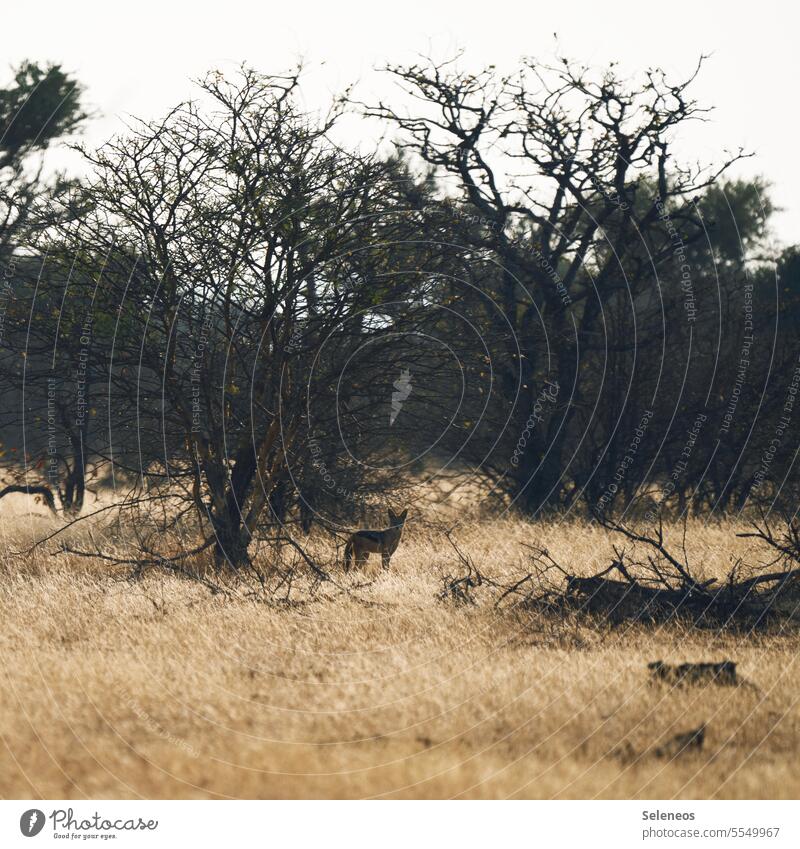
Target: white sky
{"x":138,"y":57}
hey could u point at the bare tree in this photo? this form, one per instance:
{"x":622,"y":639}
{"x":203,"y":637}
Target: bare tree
{"x":248,"y":259}
{"x":565,"y":178}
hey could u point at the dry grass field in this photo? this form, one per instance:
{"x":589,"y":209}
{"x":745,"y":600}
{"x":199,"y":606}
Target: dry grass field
{"x":374,"y":688}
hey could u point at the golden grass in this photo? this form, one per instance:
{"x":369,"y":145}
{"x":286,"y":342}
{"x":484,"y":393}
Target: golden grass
{"x":157,"y":689}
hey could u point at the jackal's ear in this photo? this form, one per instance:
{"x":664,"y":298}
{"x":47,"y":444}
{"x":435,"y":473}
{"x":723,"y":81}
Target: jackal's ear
{"x":402,"y":516}
{"x":392,"y":517}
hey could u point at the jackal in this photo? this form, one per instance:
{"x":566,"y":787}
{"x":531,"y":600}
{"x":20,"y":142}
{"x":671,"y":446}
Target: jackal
{"x":363,"y":543}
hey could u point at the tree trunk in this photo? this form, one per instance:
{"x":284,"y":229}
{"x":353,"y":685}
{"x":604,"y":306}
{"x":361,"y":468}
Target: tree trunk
{"x":232,"y":542}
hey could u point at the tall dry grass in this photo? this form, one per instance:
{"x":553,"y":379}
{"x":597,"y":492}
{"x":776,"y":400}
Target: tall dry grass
{"x":158,"y":688}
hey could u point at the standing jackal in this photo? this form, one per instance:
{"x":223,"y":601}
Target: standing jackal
{"x":363,"y":543}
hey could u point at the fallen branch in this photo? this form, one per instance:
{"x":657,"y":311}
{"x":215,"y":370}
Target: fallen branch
{"x":30,"y":489}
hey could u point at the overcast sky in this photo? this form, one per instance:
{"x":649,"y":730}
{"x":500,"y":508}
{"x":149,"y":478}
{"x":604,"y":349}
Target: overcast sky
{"x":138,"y":58}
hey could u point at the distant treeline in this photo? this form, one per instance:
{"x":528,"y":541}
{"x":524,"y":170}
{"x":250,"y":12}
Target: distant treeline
{"x":235,"y":312}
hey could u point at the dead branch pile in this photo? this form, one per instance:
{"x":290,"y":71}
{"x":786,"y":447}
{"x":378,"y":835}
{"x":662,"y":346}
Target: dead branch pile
{"x":460,"y":588}
{"x":722,"y":674}
{"x":650,"y":583}
{"x":681,"y":744}
{"x":663,"y":585}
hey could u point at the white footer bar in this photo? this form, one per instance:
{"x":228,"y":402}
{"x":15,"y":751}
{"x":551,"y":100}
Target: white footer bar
{"x":400,"y":825}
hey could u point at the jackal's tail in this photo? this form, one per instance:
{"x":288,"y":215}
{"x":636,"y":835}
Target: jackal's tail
{"x":348,"y":554}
